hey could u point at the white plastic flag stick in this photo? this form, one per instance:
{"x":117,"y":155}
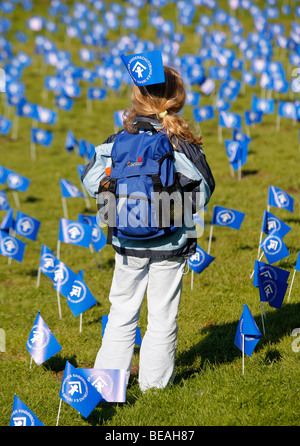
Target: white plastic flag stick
{"x":38,"y":277}
{"x":262,"y":317}
{"x":65,"y":207}
{"x":192,"y":279}
{"x":32,"y":151}
{"x":260,"y":239}
{"x":291,"y":285}
{"x":60,"y":401}
{"x":15,"y":127}
{"x":220,"y":133}
{"x":259,"y":261}
{"x":278,"y":123}
{"x":16,"y":199}
{"x":58,"y":304}
{"x":58,"y":249}
{"x":80,"y":323}
{"x":87,"y":202}
{"x":210,"y":237}
{"x":94,"y":254}
{"x":30,"y":364}
{"x":243,"y":354}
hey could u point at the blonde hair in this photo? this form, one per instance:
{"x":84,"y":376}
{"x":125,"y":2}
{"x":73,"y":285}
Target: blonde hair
{"x":163,"y":102}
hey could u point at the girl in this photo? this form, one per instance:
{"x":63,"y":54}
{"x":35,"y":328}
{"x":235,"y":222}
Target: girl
{"x":155,"y":265}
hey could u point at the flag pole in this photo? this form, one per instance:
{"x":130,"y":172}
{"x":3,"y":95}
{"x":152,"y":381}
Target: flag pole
{"x":58,"y":249}
{"x":30,"y":364}
{"x":80,"y":323}
{"x":210,"y":237}
{"x":38,"y":277}
{"x":93,"y":252}
{"x":243,"y":354}
{"x":60,"y":401}
{"x":192,"y":279}
{"x":291,"y":284}
{"x":58,"y":304}
{"x":259,"y":261}
{"x":32,"y":151}
{"x":65,"y":207}
{"x":16,"y":199}
{"x":262,"y":317}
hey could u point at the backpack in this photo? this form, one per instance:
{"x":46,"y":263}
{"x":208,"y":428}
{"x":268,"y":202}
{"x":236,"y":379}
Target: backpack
{"x":143,"y":199}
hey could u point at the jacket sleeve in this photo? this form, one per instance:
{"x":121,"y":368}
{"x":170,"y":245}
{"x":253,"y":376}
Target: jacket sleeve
{"x":195,"y":173}
{"x":94,"y":171}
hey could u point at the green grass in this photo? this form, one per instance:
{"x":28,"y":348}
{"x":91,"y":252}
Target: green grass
{"x":209,"y":387}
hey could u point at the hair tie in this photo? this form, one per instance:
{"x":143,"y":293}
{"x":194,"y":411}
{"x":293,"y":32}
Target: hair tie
{"x":163,"y":114}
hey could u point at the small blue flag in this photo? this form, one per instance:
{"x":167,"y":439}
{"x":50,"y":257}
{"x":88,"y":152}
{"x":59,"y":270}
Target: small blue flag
{"x":145,"y":68}
{"x":11,"y":246}
{"x":69,"y":190}
{"x":264,"y":105}
{"x":78,"y":392}
{"x":274,"y":248}
{"x":17,"y":182}
{"x":5,"y":125}
{"x":8,"y":221}
{"x":75,"y":233}
{"x":110,"y":383}
{"x":63,"y":278}
{"x":247,"y":334}
{"x":41,"y":343}
{"x":46,"y":115}
{"x":253,"y":117}
{"x":80,"y":297}
{"x":4,"y":204}
{"x":200,"y":260}
{"x":269,"y":272}
{"x":64,"y":102}
{"x":229,"y":119}
{"x":47,"y":262}
{"x":41,"y":136}
{"x":227,"y":217}
{"x":272,"y":223}
{"x":70,"y":142}
{"x":271,"y":291}
{"x":203,"y":113}
{"x":3,"y":174}
{"x":26,"y":226}
{"x":138,"y":337}
{"x":21,"y":415}
{"x":280,"y":199}
{"x":96,"y":93}
{"x":287,"y":110}
{"x":98,"y":236}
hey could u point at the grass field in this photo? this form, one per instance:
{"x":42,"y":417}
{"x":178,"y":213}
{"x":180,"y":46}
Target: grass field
{"x":209,"y":387}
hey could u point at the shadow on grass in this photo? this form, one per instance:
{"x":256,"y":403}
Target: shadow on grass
{"x":218,"y":345}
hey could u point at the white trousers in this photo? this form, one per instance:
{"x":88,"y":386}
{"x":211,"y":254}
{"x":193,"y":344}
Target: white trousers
{"x":163,"y":281}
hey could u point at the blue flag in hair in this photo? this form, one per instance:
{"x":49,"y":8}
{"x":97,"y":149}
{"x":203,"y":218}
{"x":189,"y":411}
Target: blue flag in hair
{"x":75,"y":233}
{"x":48,"y":262}
{"x":26,"y":226}
{"x":11,"y":246}
{"x":280,"y":199}
{"x":272,"y":223}
{"x":77,"y":391}
{"x":271,"y":290}
{"x":247,"y":335}
{"x":200,"y":260}
{"x":21,"y":415}
{"x":269,"y":272}
{"x":41,"y":343}
{"x":227,"y":217}
{"x":110,"y":383}
{"x":274,"y":248}
{"x":80,"y":297}
{"x":17,"y":182}
{"x":69,"y":190}
{"x":4,"y":204}
{"x":145,"y":68}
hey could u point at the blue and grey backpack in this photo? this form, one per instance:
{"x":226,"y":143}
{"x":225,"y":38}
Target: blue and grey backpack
{"x":144,"y":198}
